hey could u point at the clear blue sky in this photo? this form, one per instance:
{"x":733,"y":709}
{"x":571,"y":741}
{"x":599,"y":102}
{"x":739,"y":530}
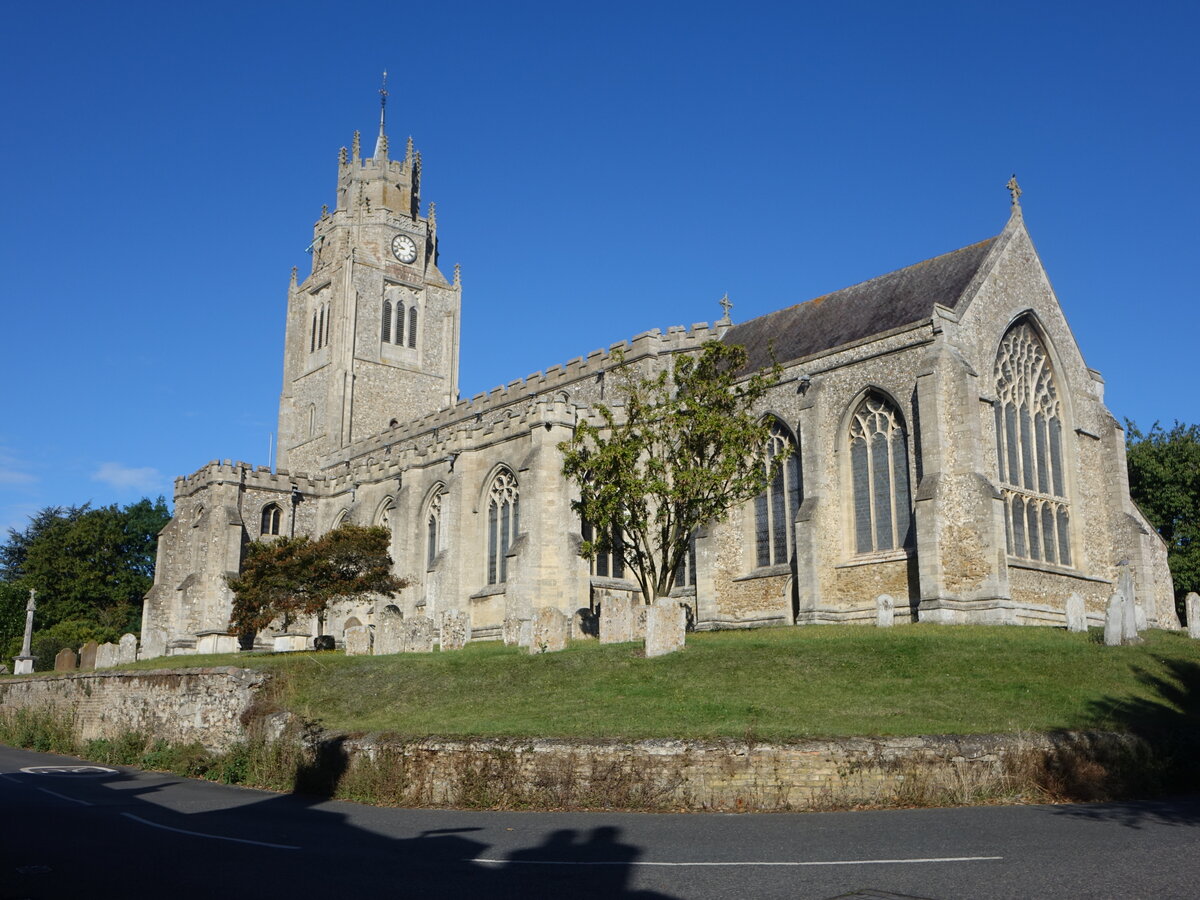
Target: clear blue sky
{"x":599,"y":169}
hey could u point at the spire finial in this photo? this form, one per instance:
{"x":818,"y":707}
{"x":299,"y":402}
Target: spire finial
{"x":1015,"y":190}
{"x":458,"y":275}
{"x":432,"y":217}
{"x":356,"y":146}
{"x":727,"y":305}
{"x":381,"y":141}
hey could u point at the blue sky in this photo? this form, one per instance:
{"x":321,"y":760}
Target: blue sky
{"x":599,"y":169}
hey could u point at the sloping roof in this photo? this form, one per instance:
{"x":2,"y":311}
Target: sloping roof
{"x":903,"y":297}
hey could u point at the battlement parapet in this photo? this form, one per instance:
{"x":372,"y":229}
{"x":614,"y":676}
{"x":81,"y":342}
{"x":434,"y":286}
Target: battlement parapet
{"x":241,"y":473}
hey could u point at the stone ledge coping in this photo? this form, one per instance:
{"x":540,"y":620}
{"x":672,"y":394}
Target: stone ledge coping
{"x":236,"y":671}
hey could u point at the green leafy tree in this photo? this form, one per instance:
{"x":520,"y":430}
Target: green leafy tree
{"x":1164,"y":480}
{"x":90,"y":567}
{"x":286,"y":578}
{"x":677,"y":450}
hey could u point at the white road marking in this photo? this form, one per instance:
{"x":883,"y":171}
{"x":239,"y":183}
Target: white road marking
{"x":215,"y":837}
{"x":63,"y":796}
{"x":69,"y":770}
{"x":7,"y":777}
{"x":816,"y":862}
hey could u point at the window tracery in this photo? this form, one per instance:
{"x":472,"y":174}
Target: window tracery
{"x":503,"y":522}
{"x":1029,"y":452}
{"x":611,"y":562}
{"x":879,"y":477}
{"x":775,"y":508}
{"x":272,"y":517}
{"x":433,"y":528}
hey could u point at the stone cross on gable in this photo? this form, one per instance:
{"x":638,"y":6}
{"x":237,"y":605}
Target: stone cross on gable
{"x":726,"y":304}
{"x":1015,"y":190}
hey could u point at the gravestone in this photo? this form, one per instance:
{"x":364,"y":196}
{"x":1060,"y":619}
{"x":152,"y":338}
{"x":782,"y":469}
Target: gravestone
{"x":417,"y":635}
{"x":616,"y":619}
{"x":511,"y":631}
{"x":1076,"y":614}
{"x":640,"y":612}
{"x":666,"y":625}
{"x":358,"y":640}
{"x":585,"y":624}
{"x":526,"y":634}
{"x":1120,"y":616}
{"x":290,"y":642}
{"x":389,"y":639}
{"x":129,"y":648}
{"x":1191,"y":607}
{"x":66,"y":660}
{"x":216,"y":642}
{"x":106,"y":656}
{"x":87,"y":657}
{"x":455,"y":631}
{"x":885,"y":611}
{"x":549,"y":631}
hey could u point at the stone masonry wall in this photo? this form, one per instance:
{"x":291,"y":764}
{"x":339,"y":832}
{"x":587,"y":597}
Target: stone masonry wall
{"x":180,"y":706}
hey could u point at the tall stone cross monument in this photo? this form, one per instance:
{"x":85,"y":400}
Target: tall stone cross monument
{"x":23,"y":664}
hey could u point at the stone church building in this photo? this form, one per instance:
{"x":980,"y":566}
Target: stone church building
{"x":952,"y":449}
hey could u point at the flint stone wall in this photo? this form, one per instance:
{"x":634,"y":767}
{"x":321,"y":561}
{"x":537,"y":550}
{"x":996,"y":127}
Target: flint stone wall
{"x":180,"y":706}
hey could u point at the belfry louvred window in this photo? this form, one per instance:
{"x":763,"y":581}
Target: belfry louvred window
{"x":386,"y":335}
{"x":1029,"y":450}
{"x":502,"y":524}
{"x":879,"y":477}
{"x":775,"y":508}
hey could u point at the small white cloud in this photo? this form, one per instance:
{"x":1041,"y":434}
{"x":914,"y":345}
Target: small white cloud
{"x":12,"y":470}
{"x":128,"y":477}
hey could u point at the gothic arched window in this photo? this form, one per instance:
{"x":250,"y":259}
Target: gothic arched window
{"x":879,"y":476}
{"x":412,"y":327}
{"x":272,"y":517}
{"x":433,"y":528}
{"x":503,"y":521}
{"x":386,"y":336}
{"x":312,"y":420}
{"x":775,"y":508}
{"x":1029,"y":451}
{"x":610,"y":563}
{"x":312,"y":341}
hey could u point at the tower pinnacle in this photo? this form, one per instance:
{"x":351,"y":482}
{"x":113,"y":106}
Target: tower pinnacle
{"x":381,"y":141}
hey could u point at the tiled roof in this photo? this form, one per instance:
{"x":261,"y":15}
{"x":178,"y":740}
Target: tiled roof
{"x":903,"y":297}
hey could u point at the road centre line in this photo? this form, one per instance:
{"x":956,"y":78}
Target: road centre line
{"x":8,"y":777}
{"x":64,"y":796}
{"x":816,"y":862}
{"x":215,"y":837}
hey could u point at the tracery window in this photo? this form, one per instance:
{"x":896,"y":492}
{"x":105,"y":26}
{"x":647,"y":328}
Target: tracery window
{"x":685,"y":573}
{"x":384,"y":518}
{"x":879,"y":476}
{"x":433,"y":528}
{"x":272,"y":516}
{"x":775,"y":508}
{"x":503,"y":521}
{"x":386,"y":336}
{"x":1029,"y":454}
{"x":610,"y":563}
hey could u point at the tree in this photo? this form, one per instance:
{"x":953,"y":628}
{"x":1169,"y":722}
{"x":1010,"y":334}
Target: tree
{"x":678,"y":450}
{"x":1164,"y":481}
{"x":285,"y":578}
{"x":90,"y":567}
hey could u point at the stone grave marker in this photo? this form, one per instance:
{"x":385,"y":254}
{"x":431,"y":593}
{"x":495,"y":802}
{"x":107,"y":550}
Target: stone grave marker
{"x":666,"y":625}
{"x":128,"y":649}
{"x":640,"y":613}
{"x":87,"y":657}
{"x":455,"y":631}
{"x":585,"y":624}
{"x":289,"y":642}
{"x":1076,"y":614}
{"x":358,"y":640}
{"x":1191,"y":607}
{"x":106,"y":656}
{"x":616,"y":619}
{"x":417,"y":635}
{"x":66,"y":660}
{"x":389,"y":639}
{"x":885,"y":611}
{"x":1120,"y":617}
{"x":549,"y":631}
{"x":511,"y":630}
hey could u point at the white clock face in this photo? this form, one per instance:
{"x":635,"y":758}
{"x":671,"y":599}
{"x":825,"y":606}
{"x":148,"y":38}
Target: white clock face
{"x":404,"y":248}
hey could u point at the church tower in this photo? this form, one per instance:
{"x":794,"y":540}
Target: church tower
{"x":373,"y":331}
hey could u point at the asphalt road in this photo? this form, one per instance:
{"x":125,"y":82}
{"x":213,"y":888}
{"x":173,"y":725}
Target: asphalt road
{"x":124,"y":833}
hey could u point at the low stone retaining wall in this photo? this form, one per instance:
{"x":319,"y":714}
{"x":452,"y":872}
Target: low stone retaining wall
{"x":180,"y":706}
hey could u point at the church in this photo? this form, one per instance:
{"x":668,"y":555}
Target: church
{"x":952,"y":450}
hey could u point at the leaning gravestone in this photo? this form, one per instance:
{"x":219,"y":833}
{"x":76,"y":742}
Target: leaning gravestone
{"x":66,"y":660}
{"x":389,"y":638}
{"x":455,"y":631}
{"x":106,"y":656}
{"x":357,"y":640}
{"x":616,"y":619}
{"x":1191,"y":607}
{"x":417,"y":635}
{"x":87,"y":656}
{"x":549,"y":631}
{"x":666,"y":625}
{"x":1076,"y":614}
{"x":128,"y":649}
{"x":885,"y":611}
